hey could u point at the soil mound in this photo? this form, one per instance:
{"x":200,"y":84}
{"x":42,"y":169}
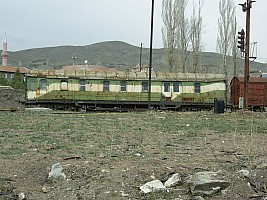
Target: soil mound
{"x":10,"y":98}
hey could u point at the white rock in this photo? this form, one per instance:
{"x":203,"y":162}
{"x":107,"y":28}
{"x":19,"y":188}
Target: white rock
{"x":104,"y":171}
{"x":153,"y":177}
{"x":21,"y":196}
{"x":207,"y":183}
{"x":56,"y":171}
{"x":244,"y":172}
{"x":153,"y":186}
{"x":173,"y":181}
{"x":124,"y":194}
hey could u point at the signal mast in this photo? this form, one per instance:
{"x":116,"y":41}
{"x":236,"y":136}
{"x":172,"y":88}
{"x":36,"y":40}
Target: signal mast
{"x":244,"y":47}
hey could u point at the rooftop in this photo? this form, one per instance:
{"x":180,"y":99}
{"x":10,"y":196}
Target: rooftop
{"x":11,"y":69}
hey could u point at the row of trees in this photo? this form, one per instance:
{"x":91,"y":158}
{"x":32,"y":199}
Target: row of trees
{"x":183,"y":35}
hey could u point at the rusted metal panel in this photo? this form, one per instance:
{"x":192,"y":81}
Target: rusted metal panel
{"x":257,"y":91}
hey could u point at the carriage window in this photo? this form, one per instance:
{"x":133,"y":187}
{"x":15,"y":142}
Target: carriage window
{"x":32,"y":85}
{"x":82,"y":85}
{"x":166,"y":87}
{"x":64,"y":85}
{"x":197,"y":87}
{"x":176,"y":87}
{"x":43,"y":84}
{"x":144,"y":86}
{"x":123,"y":86}
{"x":105,"y":85}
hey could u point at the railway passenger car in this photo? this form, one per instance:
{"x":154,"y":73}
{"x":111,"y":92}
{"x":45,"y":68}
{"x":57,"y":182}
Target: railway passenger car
{"x":81,"y":89}
{"x":257,"y":93}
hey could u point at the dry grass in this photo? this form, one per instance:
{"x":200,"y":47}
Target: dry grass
{"x":132,"y":147}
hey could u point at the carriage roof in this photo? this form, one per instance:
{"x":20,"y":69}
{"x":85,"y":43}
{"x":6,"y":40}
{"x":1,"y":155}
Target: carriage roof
{"x":121,"y":75}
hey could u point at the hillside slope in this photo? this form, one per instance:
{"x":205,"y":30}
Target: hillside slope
{"x":112,"y":54}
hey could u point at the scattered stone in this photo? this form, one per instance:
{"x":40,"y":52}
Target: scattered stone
{"x":152,"y":177}
{"x":174,"y":180}
{"x":124,"y":194}
{"x":44,"y":189}
{"x":153,"y":186}
{"x":101,"y":156}
{"x":206,"y":183}
{"x":244,"y":172}
{"x":21,"y":196}
{"x":56,"y":172}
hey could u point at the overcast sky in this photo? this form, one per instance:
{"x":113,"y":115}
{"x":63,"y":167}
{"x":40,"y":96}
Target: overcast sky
{"x":48,"y":23}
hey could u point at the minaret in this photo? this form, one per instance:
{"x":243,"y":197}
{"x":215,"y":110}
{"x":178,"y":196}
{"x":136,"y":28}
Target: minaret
{"x":4,"y":54}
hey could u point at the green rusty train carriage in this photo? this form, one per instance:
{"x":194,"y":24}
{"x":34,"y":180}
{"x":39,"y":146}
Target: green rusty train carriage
{"x":81,"y":89}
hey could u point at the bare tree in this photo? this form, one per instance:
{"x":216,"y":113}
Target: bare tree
{"x":183,"y":34}
{"x":178,"y":32}
{"x":196,"y":31}
{"x":226,"y":35}
{"x":235,"y":49}
{"x":226,"y":31}
{"x":169,"y":32}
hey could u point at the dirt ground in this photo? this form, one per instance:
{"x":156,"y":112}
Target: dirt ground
{"x":110,"y":155}
{"x":10,"y":98}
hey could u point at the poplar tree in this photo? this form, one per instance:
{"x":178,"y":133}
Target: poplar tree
{"x":183,"y":35}
{"x":169,"y":32}
{"x":179,"y":32}
{"x":226,"y":37}
{"x":196,"y":36}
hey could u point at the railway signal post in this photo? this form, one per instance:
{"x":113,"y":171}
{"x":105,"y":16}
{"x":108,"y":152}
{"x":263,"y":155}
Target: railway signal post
{"x":246,"y":7}
{"x":241,"y":40}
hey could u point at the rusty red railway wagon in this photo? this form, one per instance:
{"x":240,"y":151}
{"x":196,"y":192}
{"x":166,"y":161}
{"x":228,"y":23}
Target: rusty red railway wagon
{"x":257,"y":92}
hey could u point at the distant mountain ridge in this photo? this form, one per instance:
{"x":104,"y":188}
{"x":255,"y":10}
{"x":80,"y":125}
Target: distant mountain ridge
{"x":115,"y":54}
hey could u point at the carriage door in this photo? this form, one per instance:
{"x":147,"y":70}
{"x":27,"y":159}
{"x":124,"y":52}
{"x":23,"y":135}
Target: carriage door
{"x":166,"y":91}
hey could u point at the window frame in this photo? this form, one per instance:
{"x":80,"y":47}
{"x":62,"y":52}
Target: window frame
{"x":167,"y":87}
{"x":82,"y":85}
{"x":145,"y":86}
{"x":123,"y":86}
{"x":106,"y":86}
{"x":176,"y":87}
{"x":197,"y":88}
{"x":32,"y":85}
{"x":42,"y":84}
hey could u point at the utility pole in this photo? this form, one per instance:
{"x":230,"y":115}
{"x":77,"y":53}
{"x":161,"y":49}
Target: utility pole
{"x":140,"y":61}
{"x":150,"y":56}
{"x":246,"y":7}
